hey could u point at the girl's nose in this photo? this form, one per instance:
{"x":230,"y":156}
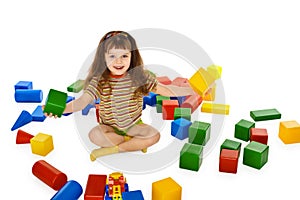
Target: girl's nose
{"x":119,"y":60}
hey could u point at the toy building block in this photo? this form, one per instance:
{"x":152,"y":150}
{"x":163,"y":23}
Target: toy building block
{"x":71,"y":190}
{"x":168,"y":107}
{"x":210,"y":95}
{"x":256,"y":155}
{"x":136,"y":195}
{"x":242,"y":130}
{"x":28,"y":96}
{"x":87,"y":109}
{"x":199,"y":133}
{"x":180,"y":99}
{"x":182,"y":113}
{"x":95,"y":187}
{"x":201,"y":81}
{"x":56,"y":102}
{"x":76,"y":86}
{"x":164,"y":80}
{"x":38,"y":114}
{"x":180,"y":128}
{"x":24,"y":85}
{"x":181,"y":82}
{"x":259,"y":135}
{"x":192,"y":102}
{"x":229,"y":161}
{"x":215,"y":71}
{"x":150,"y":99}
{"x":232,"y":145}
{"x":48,"y":174}
{"x":23,"y":137}
{"x":23,"y":119}
{"x":41,"y":144}
{"x":159,"y":100}
{"x":166,"y":189}
{"x":289,"y":132}
{"x":69,"y":99}
{"x":215,"y":108}
{"x":267,"y":114}
{"x":191,"y":156}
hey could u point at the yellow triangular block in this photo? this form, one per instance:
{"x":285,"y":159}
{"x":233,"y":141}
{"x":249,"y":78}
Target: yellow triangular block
{"x":201,"y":81}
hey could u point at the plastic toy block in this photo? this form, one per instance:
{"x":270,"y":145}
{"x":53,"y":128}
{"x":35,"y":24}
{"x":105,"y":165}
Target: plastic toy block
{"x":76,"y":86}
{"x":181,"y":82}
{"x":71,"y":190}
{"x":215,"y":71}
{"x":150,"y":99}
{"x":69,"y":99}
{"x":228,"y":161}
{"x":38,"y":114}
{"x":136,"y":195}
{"x":180,"y":128}
{"x":192,"y":102}
{"x":164,"y":80}
{"x":201,"y":81}
{"x":289,"y":132}
{"x":210,"y":95}
{"x":23,"y":137}
{"x":256,"y":155}
{"x":242,"y":129}
{"x":95,"y":187}
{"x":23,"y":119}
{"x":199,"y":133}
{"x":166,"y":189}
{"x":182,"y":113}
{"x":41,"y":144}
{"x":232,"y":145}
{"x":180,"y":99}
{"x":28,"y":96}
{"x":56,"y":102}
{"x":191,"y":156}
{"x":159,"y":100}
{"x":168,"y":107}
{"x":259,"y":135}
{"x":48,"y":174}
{"x":87,"y":109}
{"x":24,"y":85}
{"x":215,"y":108}
{"x":267,"y":114}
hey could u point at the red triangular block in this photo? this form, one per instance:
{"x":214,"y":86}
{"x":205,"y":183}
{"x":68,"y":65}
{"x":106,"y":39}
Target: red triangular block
{"x":23,"y":137}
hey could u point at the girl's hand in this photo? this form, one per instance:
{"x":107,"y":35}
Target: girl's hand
{"x":48,"y":115}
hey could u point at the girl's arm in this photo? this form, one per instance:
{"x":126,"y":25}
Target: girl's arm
{"x":173,"y":90}
{"x":78,"y":104}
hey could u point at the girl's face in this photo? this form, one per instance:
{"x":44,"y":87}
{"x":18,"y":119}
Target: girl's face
{"x":118,"y":61}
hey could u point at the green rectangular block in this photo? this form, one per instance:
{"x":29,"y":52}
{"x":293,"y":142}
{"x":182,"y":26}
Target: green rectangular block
{"x":76,"y":87}
{"x":159,"y":100}
{"x":256,"y":155}
{"x":242,"y":130}
{"x":199,"y":133}
{"x":56,"y":102}
{"x":231,"y":144}
{"x":267,"y":114}
{"x":182,"y":113}
{"x":191,"y":156}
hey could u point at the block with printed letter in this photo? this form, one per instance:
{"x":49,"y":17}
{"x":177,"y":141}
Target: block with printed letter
{"x":201,"y":81}
{"x":289,"y":132}
{"x":41,"y":144}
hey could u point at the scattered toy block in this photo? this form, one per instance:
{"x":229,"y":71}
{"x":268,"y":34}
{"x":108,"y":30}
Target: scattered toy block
{"x":242,"y":130}
{"x":192,"y":102}
{"x":182,"y":113}
{"x":166,"y":189}
{"x":95,"y":187}
{"x":180,"y":99}
{"x":87,"y":109}
{"x":201,"y":81}
{"x":180,"y":128}
{"x":228,"y":161}
{"x":76,"y":86}
{"x":210,"y":95}
{"x":215,"y":71}
{"x":232,"y":145}
{"x":48,"y":174}
{"x":56,"y":102}
{"x":191,"y":156}
{"x":215,"y":108}
{"x":23,"y":137}
{"x":136,"y":195}
{"x":150,"y":99}
{"x":41,"y":144}
{"x":159,"y":100}
{"x":38,"y":114}
{"x":168,"y":107}
{"x":259,"y":135}
{"x":289,"y":132}
{"x":69,"y":99}
{"x":28,"y":96}
{"x":181,"y":82}
{"x":164,"y":80}
{"x":24,"y":85}
{"x":256,"y":155}
{"x":267,"y":114}
{"x":71,"y":190}
{"x":23,"y":119}
{"x":199,"y":133}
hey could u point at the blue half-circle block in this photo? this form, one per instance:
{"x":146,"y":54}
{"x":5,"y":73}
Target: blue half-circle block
{"x":28,"y":96}
{"x":72,"y":190}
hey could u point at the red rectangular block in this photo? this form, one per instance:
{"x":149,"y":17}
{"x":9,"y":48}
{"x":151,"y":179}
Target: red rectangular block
{"x":95,"y":187}
{"x":164,"y":80}
{"x":168,"y":107}
{"x":259,"y":135}
{"x":228,"y":161}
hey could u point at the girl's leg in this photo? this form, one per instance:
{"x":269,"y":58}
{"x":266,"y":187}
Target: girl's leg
{"x":105,"y":136}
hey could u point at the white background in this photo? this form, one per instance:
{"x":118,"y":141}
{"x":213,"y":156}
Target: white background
{"x":256,"y":43}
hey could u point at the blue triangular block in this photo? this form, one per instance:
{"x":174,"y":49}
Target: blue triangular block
{"x":38,"y":114}
{"x":24,"y":118}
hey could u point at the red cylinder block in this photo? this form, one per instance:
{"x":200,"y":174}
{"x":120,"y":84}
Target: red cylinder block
{"x":49,"y":174}
{"x":192,"y":102}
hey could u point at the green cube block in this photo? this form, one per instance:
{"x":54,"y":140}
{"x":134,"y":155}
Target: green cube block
{"x":267,"y":114}
{"x":199,"y":133}
{"x":231,"y":144}
{"x":159,"y":100}
{"x":182,"y":113}
{"x":256,"y":155}
{"x":56,"y":102}
{"x":76,"y":87}
{"x":242,"y":129}
{"x":191,"y":156}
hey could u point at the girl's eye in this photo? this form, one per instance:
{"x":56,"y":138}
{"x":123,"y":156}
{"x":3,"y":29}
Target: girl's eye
{"x":112,"y":56}
{"x":125,"y":56}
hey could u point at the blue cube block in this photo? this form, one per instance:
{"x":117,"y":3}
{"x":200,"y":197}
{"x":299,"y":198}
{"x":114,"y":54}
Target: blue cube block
{"x":136,"y":195}
{"x":180,"y":128}
{"x":38,"y":114}
{"x":23,"y":85}
{"x":150,"y":99}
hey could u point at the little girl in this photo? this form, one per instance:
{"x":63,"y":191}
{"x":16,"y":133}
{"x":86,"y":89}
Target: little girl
{"x":117,"y":76}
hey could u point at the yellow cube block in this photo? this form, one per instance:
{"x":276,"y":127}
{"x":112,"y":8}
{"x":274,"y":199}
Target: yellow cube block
{"x":215,"y":108}
{"x":41,"y":144}
{"x":289,"y":132}
{"x":166,"y":189}
{"x":210,"y":94}
{"x":201,"y":81}
{"x":215,"y":71}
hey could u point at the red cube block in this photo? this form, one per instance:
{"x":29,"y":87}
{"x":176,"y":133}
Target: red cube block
{"x":192,"y":102}
{"x":228,"y":161}
{"x":259,"y":135}
{"x":164,"y":80}
{"x":168,"y":107}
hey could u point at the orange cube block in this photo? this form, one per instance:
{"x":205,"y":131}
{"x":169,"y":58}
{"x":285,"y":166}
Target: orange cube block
{"x":289,"y":132}
{"x":166,"y":189}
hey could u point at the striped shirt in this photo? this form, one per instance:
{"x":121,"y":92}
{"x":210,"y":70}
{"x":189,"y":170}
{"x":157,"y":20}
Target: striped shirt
{"x":119,"y":108}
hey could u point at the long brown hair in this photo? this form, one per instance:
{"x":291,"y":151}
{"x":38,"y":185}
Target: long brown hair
{"x":119,"y":40}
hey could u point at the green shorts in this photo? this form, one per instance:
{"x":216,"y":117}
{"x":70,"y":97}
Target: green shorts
{"x":124,"y":132}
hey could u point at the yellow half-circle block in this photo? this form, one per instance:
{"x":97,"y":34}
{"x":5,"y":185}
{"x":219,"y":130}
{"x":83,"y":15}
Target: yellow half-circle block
{"x":41,"y":144}
{"x":215,"y":108}
{"x":215,"y":71}
{"x":201,"y":81}
{"x":289,"y":132}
